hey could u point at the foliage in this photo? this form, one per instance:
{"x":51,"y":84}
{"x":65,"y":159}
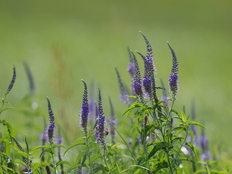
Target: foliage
{"x":162,"y":139}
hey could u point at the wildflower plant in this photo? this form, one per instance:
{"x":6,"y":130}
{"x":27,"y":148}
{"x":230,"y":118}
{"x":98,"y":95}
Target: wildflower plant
{"x":160,"y":138}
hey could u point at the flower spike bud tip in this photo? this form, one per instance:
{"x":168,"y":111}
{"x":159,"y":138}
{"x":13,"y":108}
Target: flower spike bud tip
{"x":137,"y":79}
{"x":12,"y":81}
{"x":123,"y":92}
{"x":84,"y":108}
{"x":173,"y":78}
{"x":52,"y":125}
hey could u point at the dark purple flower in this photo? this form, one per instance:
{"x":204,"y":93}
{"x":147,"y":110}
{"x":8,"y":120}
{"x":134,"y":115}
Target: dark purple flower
{"x":52,"y":125}
{"x":100,"y":107}
{"x":84,"y":109}
{"x":173,"y":82}
{"x":12,"y":81}
{"x":123,"y":92}
{"x":137,"y":86}
{"x":51,"y":132}
{"x":100,"y":128}
{"x":50,"y":112}
{"x":173,"y":78}
{"x":148,"y":67}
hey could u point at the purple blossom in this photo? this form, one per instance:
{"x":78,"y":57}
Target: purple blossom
{"x":205,"y":156}
{"x":43,"y":137}
{"x":51,"y":132}
{"x":84,"y":109}
{"x":173,"y":78}
{"x":137,"y":86}
{"x":123,"y":92}
{"x":165,"y":98}
{"x":50,"y":112}
{"x":131,"y":66}
{"x":203,"y":141}
{"x":52,"y":125}
{"x":12,"y":81}
{"x":59,"y":140}
{"x":148,"y":67}
{"x":100,"y":128}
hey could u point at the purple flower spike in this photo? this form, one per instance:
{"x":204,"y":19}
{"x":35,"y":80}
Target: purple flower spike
{"x":137,"y":86}
{"x":173,"y":78}
{"x":84,"y":109}
{"x":131,"y":66}
{"x":50,"y":112}
{"x":203,"y":141}
{"x":52,"y":125}
{"x":51,"y":132}
{"x":123,"y":92}
{"x":100,"y":128}
{"x":149,"y":57}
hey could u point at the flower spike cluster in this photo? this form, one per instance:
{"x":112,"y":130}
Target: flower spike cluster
{"x":173,"y":78}
{"x":84,"y":109}
{"x":52,"y":125}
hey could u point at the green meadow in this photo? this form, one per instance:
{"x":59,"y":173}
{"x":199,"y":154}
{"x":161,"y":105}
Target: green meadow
{"x":66,"y":41}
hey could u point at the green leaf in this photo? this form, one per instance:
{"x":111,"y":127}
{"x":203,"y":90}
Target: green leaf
{"x":186,"y":159}
{"x":76,"y":144}
{"x":80,"y":155}
{"x":95,"y":157}
{"x":72,"y":168}
{"x":4,"y":109}
{"x":198,"y":124}
{"x":156,"y":148}
{"x":35,"y":166}
{"x":160,"y":166}
{"x":200,"y":171}
{"x":133,"y":106}
{"x":20,"y":162}
{"x":59,"y":146}
{"x":39,"y":147}
{"x":9,"y":127}
{"x":142,"y":167}
{"x":192,"y":148}
{"x":63,"y":162}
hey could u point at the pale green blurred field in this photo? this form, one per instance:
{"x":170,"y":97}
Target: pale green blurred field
{"x":90,"y":38}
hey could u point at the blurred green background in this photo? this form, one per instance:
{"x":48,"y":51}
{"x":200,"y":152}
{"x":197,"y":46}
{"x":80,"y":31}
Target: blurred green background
{"x":66,"y":41}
